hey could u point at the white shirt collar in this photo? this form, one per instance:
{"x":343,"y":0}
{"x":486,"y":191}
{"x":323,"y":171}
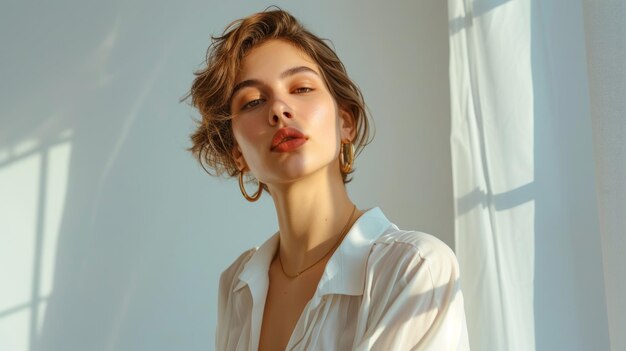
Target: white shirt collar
{"x":345,"y":271}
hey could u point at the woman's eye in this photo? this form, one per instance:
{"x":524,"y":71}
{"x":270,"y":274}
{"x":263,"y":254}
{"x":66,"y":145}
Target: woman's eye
{"x":252,"y":103}
{"x":303,"y":90}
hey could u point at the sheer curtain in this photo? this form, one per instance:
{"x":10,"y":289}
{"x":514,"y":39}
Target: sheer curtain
{"x":537,"y":139}
{"x":605,"y":33}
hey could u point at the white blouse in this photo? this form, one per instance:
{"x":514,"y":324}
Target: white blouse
{"x":382,"y":289}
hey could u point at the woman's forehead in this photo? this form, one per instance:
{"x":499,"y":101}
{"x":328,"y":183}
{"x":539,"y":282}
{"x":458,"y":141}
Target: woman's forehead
{"x":270,"y":59}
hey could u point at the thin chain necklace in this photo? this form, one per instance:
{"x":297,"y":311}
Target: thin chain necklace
{"x":341,"y":236}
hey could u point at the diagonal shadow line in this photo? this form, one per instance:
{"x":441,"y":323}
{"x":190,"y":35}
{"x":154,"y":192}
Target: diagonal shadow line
{"x":149,"y":84}
{"x":17,"y":308}
{"x":502,"y":201}
{"x":476,"y":9}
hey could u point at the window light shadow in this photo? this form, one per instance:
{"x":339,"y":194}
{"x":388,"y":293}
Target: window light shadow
{"x":33,"y":181}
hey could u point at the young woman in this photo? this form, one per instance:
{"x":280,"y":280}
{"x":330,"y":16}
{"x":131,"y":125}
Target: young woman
{"x":278,"y":106}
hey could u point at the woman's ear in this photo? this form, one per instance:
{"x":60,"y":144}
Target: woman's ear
{"x":240,"y":161}
{"x":347,"y":125}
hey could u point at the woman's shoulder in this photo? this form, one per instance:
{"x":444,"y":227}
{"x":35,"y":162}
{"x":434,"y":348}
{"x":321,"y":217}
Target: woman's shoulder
{"x":406,"y":251}
{"x":425,"y":244}
{"x":412,"y":282}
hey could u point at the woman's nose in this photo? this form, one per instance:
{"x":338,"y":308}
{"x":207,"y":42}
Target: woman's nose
{"x":279,"y":111}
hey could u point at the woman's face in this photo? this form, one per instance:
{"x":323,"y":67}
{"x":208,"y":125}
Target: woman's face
{"x":286,"y":123}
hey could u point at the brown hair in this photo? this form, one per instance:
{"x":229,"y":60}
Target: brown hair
{"x":211,"y":91}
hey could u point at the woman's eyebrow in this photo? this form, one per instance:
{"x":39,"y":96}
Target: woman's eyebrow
{"x":244,"y":84}
{"x":295,"y":70}
{"x":285,"y":74}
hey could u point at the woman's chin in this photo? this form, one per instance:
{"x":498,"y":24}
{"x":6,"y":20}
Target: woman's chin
{"x":305,"y":175}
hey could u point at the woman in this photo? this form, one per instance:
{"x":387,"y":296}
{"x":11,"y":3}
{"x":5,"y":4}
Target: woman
{"x":278,"y":106}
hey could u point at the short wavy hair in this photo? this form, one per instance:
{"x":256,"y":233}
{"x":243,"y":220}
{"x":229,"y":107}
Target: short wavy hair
{"x":212,"y":88}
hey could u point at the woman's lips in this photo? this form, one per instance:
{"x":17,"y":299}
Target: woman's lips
{"x":289,"y":145}
{"x":287,"y":139}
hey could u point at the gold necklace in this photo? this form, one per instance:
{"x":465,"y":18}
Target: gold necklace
{"x":341,"y":236}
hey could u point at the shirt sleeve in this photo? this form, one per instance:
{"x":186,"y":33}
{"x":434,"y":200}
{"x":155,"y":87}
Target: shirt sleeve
{"x":412,"y":298}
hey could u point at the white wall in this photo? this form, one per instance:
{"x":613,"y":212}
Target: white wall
{"x":111,"y":236}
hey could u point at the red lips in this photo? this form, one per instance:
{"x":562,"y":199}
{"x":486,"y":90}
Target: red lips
{"x":287,"y":139}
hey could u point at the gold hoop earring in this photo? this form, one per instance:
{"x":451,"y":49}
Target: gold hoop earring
{"x":256,"y":195}
{"x":346,"y":157}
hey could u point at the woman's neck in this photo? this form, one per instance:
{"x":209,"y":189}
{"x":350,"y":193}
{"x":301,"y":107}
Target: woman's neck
{"x":311,"y":215}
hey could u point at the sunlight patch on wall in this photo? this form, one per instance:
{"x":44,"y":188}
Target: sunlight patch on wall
{"x":19,"y":193}
{"x":33,"y":187}
{"x":56,"y":190}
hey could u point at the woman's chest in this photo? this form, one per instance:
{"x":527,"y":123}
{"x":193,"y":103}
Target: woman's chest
{"x":287,"y":298}
{"x":300,"y":317}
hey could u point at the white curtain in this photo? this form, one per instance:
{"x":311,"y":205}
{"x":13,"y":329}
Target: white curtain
{"x":605,"y":33}
{"x":538,"y":122}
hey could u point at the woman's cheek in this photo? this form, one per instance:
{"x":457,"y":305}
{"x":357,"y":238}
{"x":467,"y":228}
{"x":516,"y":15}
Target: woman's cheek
{"x":245,"y":129}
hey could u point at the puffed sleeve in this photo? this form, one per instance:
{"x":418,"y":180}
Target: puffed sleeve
{"x":412,"y":298}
